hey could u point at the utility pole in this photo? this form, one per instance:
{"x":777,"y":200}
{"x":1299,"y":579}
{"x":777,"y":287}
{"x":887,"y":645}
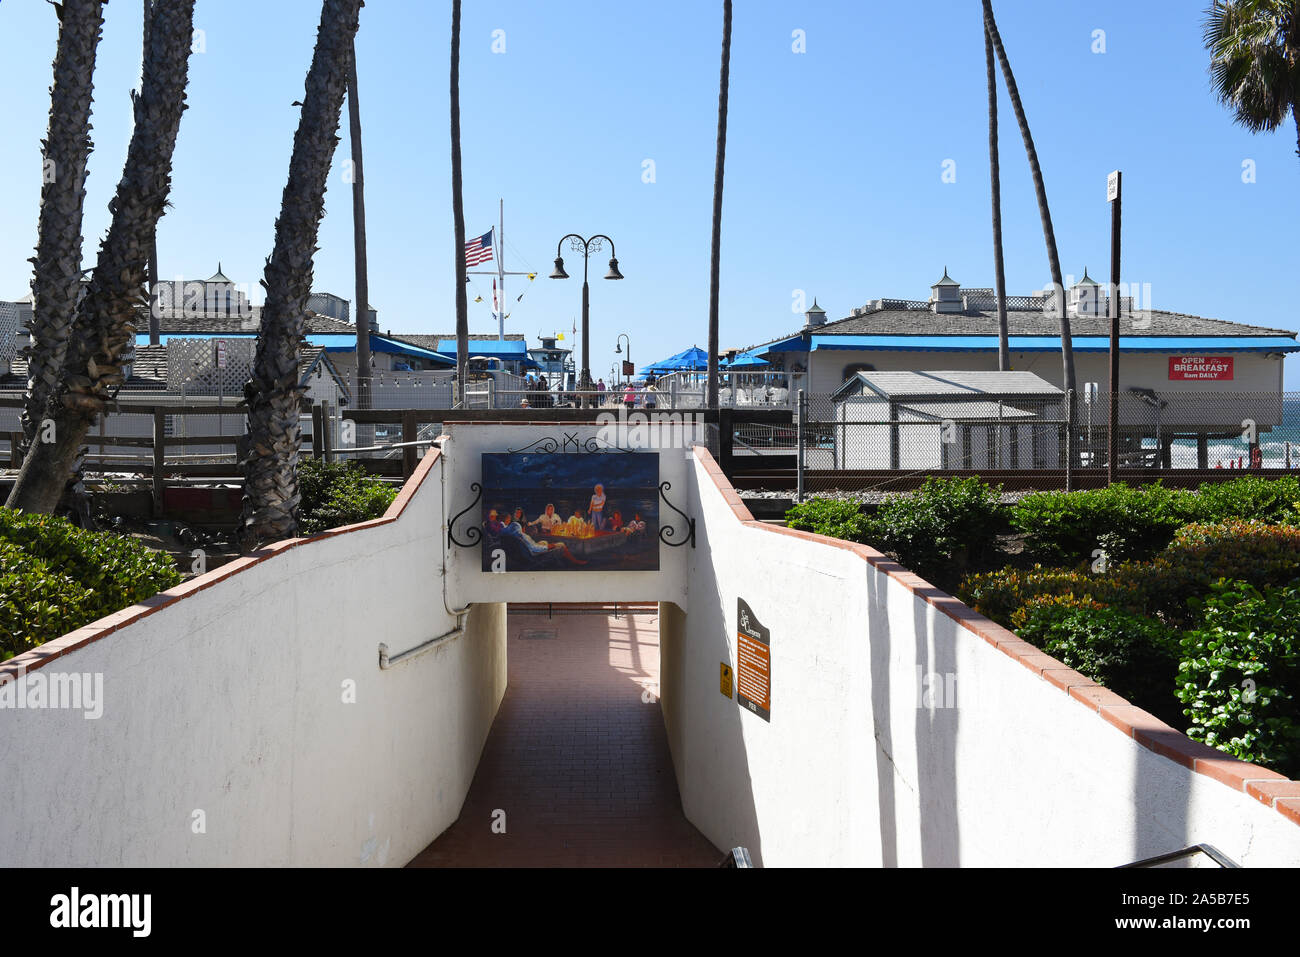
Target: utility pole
{"x":1114,"y":193}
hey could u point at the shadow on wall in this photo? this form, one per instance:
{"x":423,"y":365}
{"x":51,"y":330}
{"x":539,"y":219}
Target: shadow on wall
{"x":936,"y":738}
{"x":879,"y":642}
{"x":723,"y":749}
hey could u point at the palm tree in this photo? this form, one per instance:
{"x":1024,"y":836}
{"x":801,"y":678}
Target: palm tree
{"x":57,"y":276}
{"x":1044,"y":212}
{"x":271,"y":494}
{"x":995,"y":179}
{"x":155,"y":326}
{"x":104,"y":325}
{"x":458,"y":212}
{"x":1255,"y":61}
{"x":359,"y":269}
{"x":719,"y":165}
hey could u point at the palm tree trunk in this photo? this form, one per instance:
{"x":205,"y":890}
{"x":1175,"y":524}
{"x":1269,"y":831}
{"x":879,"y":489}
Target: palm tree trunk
{"x":995,"y":179}
{"x":104,"y":327}
{"x":271,"y":493}
{"x":155,"y":324}
{"x":458,"y":212}
{"x":1044,"y":212}
{"x":57,"y":276}
{"x":719,"y":166}
{"x":359,"y":269}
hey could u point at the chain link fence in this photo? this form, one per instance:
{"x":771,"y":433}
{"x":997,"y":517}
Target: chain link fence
{"x":861,"y":442}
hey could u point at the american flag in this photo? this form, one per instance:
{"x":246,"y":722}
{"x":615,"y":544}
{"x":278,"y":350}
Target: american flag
{"x":479,"y":249}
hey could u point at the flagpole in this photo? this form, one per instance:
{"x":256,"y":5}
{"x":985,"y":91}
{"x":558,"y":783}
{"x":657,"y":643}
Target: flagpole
{"x":501,"y":272}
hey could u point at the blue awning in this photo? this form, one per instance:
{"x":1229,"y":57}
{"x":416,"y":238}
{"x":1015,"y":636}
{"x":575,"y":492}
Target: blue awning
{"x":342,"y":342}
{"x":510,"y":350}
{"x":1186,"y":345}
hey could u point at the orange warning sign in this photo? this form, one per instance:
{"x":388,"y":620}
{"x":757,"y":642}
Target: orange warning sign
{"x":724,"y":680}
{"x":753,"y":663}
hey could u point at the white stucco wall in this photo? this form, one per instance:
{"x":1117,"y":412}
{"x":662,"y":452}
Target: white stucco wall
{"x":232,"y":701}
{"x":852,"y":768}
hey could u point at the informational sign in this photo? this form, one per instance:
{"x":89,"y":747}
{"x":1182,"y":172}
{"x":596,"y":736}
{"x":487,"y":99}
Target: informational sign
{"x":1112,"y":187}
{"x":629,"y":370}
{"x":753,"y":663}
{"x":221,"y":353}
{"x":1200,"y":367}
{"x":724,"y":678}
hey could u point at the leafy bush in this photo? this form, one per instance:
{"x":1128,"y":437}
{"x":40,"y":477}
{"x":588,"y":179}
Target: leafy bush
{"x":55,"y":577}
{"x":1165,"y":587}
{"x":941,"y":530}
{"x":339,"y":493}
{"x":1000,"y":594}
{"x":1128,"y":524}
{"x":1250,"y":498}
{"x":1240,"y":674}
{"x":829,"y":516}
{"x":1130,"y":654}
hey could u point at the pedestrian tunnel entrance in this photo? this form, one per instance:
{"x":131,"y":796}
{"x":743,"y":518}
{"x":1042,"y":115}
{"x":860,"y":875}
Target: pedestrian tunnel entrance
{"x":576,"y":770}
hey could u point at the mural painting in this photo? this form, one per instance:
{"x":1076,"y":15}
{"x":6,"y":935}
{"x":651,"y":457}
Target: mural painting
{"x":570,"y":512}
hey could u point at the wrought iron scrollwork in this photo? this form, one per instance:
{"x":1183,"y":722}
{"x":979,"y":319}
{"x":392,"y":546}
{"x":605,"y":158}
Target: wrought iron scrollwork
{"x":667,"y":532}
{"x":474,"y":534}
{"x":568,"y":442}
{"x":548,"y":443}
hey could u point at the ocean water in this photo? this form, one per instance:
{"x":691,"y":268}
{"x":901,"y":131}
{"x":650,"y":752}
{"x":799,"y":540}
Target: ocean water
{"x":1229,"y":453}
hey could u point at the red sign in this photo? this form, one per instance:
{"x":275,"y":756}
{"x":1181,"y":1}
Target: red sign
{"x":1200,"y":367}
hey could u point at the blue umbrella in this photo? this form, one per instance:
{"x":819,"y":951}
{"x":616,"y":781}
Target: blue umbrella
{"x":693,"y":359}
{"x":747,"y":360}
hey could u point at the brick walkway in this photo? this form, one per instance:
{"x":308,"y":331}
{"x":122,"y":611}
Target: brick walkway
{"x":578,"y":758}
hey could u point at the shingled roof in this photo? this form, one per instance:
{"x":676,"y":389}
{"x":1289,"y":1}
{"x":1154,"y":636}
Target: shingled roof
{"x":231,"y":325}
{"x":983,"y":322}
{"x":149,"y":369}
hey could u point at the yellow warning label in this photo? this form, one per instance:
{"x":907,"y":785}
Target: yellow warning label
{"x":724,"y":680}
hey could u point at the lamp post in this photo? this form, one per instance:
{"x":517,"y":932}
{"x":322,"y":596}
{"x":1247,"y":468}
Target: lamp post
{"x":586,"y":247}
{"x":618,"y":348}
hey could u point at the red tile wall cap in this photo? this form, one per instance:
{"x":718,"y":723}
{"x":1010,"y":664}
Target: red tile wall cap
{"x":56,"y":648}
{"x":1144,"y":728}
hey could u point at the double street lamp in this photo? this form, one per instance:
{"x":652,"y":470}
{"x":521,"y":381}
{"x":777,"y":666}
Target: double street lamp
{"x":586,"y":247}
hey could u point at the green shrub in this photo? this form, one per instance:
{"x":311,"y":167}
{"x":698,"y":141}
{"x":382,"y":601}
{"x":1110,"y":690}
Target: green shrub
{"x":1128,"y":524}
{"x":1132,"y":655}
{"x":1250,"y":498}
{"x":829,"y":516}
{"x":1165,"y":587}
{"x":1201,"y":555}
{"x":55,"y":577}
{"x":1000,"y":594}
{"x":942,"y":530}
{"x":1240,"y":674}
{"x":339,"y":493}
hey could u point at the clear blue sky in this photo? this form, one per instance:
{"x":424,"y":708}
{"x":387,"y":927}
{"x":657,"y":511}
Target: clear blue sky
{"x":834,"y":161}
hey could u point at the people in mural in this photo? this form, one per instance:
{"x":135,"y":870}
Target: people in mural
{"x":548,"y":520}
{"x":597,"y":508}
